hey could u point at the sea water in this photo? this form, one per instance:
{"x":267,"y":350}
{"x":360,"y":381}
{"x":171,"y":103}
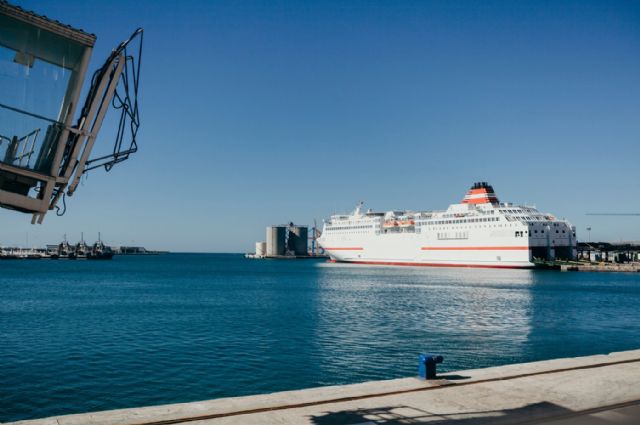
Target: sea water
{"x":78,"y":336}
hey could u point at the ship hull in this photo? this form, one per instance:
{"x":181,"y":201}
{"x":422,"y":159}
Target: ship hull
{"x":483,"y":248}
{"x":418,"y":264}
{"x":486,"y":257}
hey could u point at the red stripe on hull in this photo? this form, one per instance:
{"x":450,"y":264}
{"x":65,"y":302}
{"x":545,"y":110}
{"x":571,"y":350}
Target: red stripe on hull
{"x":394,"y":263}
{"x":474,"y":248}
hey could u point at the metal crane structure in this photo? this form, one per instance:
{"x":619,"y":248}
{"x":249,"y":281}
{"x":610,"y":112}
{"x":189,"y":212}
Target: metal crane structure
{"x":616,"y":214}
{"x":316,"y":249}
{"x":44,"y":147}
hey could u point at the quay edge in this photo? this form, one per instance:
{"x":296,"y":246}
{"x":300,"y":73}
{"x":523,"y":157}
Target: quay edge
{"x":585,"y":388}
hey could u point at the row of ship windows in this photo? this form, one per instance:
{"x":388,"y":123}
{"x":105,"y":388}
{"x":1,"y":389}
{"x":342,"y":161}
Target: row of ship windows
{"x":518,"y":233}
{"x":478,"y":220}
{"x":501,"y":211}
{"x":348,"y":227}
{"x":470,"y":220}
{"x":520,"y":211}
{"x":557,"y":231}
{"x":541,"y":231}
{"x":456,"y":235}
{"x":506,"y":225}
{"x":453,"y":215}
{"x":435,"y":223}
{"x":465,"y":235}
{"x":523,"y":217}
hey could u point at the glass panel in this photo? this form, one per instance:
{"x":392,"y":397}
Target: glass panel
{"x":38,"y":73}
{"x":29,"y":142}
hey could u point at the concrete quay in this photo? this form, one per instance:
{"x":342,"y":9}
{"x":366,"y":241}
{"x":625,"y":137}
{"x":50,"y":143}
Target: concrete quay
{"x":603,"y":267}
{"x":600,"y":389}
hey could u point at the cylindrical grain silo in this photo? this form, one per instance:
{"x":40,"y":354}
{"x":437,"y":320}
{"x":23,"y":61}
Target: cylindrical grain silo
{"x":261,"y":249}
{"x":298,"y":240}
{"x":276,"y":240}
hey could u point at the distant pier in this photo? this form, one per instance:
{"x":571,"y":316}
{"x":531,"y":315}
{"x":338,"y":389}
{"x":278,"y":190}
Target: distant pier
{"x":61,"y":251}
{"x":583,"y":390}
{"x":586,"y":266}
{"x":65,"y":250}
{"x":602,"y":267}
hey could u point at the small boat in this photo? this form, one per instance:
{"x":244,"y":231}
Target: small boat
{"x":82,"y":250}
{"x":100,"y":251}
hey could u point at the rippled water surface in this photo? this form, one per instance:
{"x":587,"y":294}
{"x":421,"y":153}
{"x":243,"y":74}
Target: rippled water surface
{"x":79,"y":336}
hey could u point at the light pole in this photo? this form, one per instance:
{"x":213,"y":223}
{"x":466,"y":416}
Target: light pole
{"x":589,"y":244}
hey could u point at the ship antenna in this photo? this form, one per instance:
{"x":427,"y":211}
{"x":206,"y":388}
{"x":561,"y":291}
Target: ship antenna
{"x":358,"y":208}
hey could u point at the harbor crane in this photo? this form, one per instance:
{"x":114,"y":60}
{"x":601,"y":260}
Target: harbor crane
{"x":616,"y":214}
{"x":45,"y":146}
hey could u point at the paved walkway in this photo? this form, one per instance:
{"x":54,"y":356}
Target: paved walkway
{"x":585,"y":390}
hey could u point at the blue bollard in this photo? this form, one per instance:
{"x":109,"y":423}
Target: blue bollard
{"x":427,"y":367}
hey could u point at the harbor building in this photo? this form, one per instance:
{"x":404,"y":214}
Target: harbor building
{"x":286,"y":241}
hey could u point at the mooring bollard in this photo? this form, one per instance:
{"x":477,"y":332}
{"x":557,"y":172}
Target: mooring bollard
{"x":427,"y":367}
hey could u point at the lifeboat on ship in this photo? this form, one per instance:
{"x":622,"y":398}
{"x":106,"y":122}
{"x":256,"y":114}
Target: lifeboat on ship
{"x":406,"y":223}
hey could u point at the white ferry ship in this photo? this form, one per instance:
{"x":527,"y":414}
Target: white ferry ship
{"x":478,"y":232}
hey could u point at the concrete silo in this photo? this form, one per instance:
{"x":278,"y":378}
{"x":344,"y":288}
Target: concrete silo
{"x":298,"y":240}
{"x":261,"y":249}
{"x":276,"y":240}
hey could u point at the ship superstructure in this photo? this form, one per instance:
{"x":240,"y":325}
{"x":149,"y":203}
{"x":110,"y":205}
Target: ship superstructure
{"x":477,"y":232}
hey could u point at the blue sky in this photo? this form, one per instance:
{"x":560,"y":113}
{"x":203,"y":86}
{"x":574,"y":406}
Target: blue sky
{"x":256,"y":113}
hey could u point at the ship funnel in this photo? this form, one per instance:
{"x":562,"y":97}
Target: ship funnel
{"x":480,"y":193}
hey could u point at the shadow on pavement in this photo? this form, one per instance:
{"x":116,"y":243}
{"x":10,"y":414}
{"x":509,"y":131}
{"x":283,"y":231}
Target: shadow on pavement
{"x":530,"y":414}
